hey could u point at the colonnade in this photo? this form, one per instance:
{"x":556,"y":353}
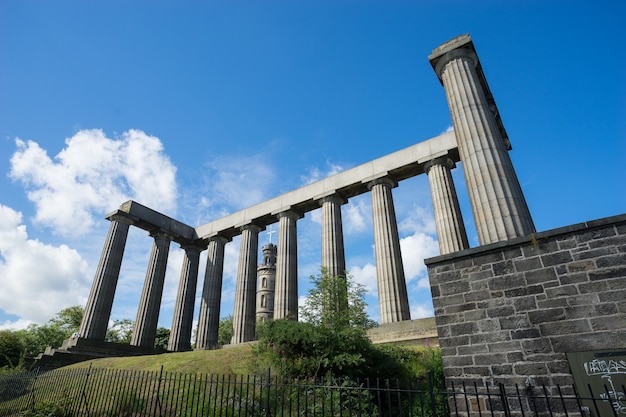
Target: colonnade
{"x":479,"y":142}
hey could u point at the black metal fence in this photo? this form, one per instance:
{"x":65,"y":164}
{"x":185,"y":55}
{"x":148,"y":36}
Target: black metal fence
{"x":106,"y":392}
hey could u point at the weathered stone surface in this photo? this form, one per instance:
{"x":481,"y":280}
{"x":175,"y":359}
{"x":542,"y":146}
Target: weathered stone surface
{"x":448,"y":219}
{"x":286,"y":291}
{"x":182,"y":322}
{"x":244,"y":314}
{"x":144,"y":331}
{"x":540,"y":276}
{"x":498,"y":204}
{"x":525,"y":334}
{"x":209,"y":317}
{"x":100,"y":301}
{"x":527,"y":264}
{"x":561,"y":296}
{"x":556,"y":258}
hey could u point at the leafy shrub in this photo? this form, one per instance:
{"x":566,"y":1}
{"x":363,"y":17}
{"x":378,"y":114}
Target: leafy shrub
{"x":49,"y":409}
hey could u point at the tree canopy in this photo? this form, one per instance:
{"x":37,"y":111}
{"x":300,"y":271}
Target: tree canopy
{"x":330,"y":339}
{"x":336,"y":302}
{"x":15,"y":345}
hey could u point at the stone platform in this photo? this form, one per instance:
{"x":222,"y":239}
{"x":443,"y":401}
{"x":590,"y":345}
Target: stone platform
{"x":79,"y":350}
{"x":419,"y":332}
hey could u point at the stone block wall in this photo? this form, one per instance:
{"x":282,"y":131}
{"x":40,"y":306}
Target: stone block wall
{"x":418,"y":332}
{"x":510,"y":311}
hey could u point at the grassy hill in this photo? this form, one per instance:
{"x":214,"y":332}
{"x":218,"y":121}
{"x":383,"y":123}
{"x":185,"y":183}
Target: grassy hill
{"x":238,"y":360}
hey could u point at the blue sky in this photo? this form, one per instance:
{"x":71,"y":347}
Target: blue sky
{"x":199,"y":109}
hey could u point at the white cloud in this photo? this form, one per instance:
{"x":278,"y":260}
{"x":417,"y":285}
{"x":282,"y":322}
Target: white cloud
{"x":37,"y":280}
{"x":93,"y":175}
{"x":316,"y":174}
{"x":15,"y":325}
{"x":418,"y":220}
{"x":366,"y":276}
{"x":420,"y":244}
{"x":420,"y":311}
{"x":172,"y":280}
{"x":357,"y":215}
{"x":316,"y":216}
{"x":415,"y":249}
{"x":423,"y":284}
{"x":234,"y":183}
{"x":231,"y":259}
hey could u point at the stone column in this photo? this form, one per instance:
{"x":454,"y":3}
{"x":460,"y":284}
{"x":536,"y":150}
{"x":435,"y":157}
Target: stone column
{"x":450,"y":227}
{"x":286,"y":290}
{"x":144,"y":331}
{"x":333,"y":254}
{"x":209,"y":319}
{"x":244,"y":316}
{"x":182,"y":322}
{"x":498,"y":204}
{"x":100,"y":301}
{"x":392,"y":295}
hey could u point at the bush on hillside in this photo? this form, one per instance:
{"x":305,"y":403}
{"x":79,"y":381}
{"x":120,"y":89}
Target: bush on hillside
{"x":332,"y":341}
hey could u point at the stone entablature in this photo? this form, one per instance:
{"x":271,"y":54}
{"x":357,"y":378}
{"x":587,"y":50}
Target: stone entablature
{"x":400,"y":165}
{"x":510,"y":311}
{"x":151,"y":220}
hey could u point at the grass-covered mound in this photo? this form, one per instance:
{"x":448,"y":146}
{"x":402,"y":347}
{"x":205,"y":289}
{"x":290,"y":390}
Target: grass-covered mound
{"x":239,"y":360}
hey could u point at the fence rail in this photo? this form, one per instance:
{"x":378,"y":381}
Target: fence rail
{"x":107,"y":392}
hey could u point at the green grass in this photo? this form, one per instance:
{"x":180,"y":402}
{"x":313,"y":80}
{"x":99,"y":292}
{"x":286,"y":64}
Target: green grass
{"x":238,"y":360}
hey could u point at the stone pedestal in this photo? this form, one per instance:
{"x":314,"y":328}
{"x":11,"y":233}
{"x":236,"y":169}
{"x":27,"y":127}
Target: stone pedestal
{"x":209,"y":318}
{"x":245,"y":290}
{"x":500,"y":210}
{"x":392,"y":295}
{"x":448,"y":220}
{"x":100,"y":301}
{"x":147,"y":319}
{"x":182,"y":322}
{"x":286,"y":290}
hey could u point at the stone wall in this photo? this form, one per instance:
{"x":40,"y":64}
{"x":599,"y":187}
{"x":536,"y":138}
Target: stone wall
{"x":418,"y":332}
{"x":510,"y":311}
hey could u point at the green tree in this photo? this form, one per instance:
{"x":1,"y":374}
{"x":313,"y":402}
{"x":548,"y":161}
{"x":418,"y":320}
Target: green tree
{"x":120,"y":332}
{"x":53,"y":332}
{"x":42,"y":336}
{"x":332,"y":338}
{"x":12,"y":348}
{"x":68,"y":319}
{"x":225,"y":330}
{"x":162,"y":338}
{"x":336,"y":302}
{"x":35,"y":338}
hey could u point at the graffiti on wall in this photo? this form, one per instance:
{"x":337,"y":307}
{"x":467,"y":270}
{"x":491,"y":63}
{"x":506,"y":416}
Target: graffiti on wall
{"x":601,"y":375}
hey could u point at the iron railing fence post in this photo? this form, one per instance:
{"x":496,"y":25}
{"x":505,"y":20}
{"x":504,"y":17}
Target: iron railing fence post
{"x":32,"y":390}
{"x":505,"y":400}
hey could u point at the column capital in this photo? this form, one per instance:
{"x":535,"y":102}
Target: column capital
{"x":463,"y":53}
{"x":334,"y":197}
{"x":219,"y":239}
{"x":390,"y":182}
{"x":121,"y":216}
{"x":161,"y":234}
{"x":442,"y":160}
{"x":292,"y":214}
{"x":198,"y":245}
{"x":252,"y":227}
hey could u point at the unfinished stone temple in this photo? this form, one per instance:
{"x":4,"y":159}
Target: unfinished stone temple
{"x":517,"y":309}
